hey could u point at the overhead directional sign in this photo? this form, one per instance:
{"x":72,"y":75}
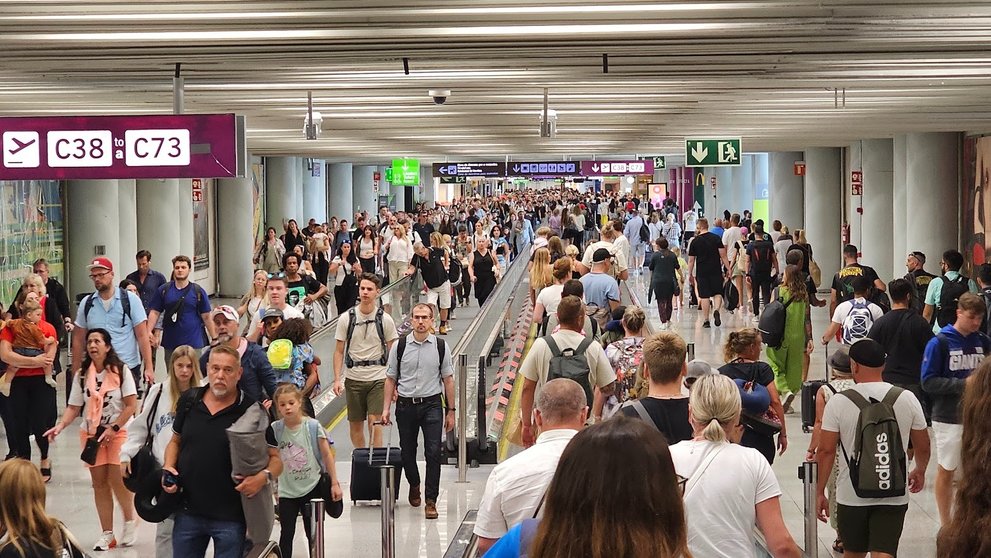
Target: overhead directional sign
{"x":108,"y":147}
{"x":555,"y":168}
{"x":720,"y":152}
{"x":405,"y":172}
{"x":602,"y":168}
{"x":469,"y":169}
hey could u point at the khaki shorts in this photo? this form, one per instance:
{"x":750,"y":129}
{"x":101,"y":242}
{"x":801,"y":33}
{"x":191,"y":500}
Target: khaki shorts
{"x":363,"y":398}
{"x":948,"y":443}
{"x":441,"y":294}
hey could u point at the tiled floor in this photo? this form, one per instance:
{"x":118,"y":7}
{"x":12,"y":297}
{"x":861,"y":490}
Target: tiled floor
{"x":358,"y":532}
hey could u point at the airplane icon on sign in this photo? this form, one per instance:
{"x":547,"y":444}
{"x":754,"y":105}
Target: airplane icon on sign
{"x":21,"y":150}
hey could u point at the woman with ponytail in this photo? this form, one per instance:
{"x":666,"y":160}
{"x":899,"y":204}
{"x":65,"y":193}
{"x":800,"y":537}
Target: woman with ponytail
{"x":729,"y":488}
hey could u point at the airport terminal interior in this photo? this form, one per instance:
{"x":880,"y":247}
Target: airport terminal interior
{"x":192,"y":128}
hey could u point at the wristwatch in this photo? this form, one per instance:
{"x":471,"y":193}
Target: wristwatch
{"x":115,"y":427}
{"x":268,"y":474}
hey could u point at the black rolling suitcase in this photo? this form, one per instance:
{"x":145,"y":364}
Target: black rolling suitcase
{"x":810,"y":389}
{"x":366,"y":475}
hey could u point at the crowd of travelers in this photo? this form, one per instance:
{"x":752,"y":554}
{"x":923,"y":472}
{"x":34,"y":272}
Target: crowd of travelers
{"x":602,"y":391}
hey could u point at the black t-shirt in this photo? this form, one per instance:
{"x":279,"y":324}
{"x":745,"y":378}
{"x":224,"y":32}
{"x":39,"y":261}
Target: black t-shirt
{"x":670,"y":416}
{"x":705,"y":247}
{"x":905,"y":344}
{"x":297,"y":290}
{"x":433,"y":270}
{"x":760,"y":372}
{"x":843,"y":280}
{"x":424,"y":231}
{"x":204,"y":462}
{"x":920,"y":279}
{"x":35,"y":550}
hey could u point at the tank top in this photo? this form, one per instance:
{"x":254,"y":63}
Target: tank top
{"x":483,"y":264}
{"x":366,"y":246}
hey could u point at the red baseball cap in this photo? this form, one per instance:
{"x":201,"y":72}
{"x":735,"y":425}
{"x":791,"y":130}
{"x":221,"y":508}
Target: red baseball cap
{"x":104,"y":263}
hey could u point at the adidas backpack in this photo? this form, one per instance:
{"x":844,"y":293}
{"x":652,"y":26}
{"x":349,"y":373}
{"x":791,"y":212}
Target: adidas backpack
{"x":857,"y":323}
{"x":878,"y":461}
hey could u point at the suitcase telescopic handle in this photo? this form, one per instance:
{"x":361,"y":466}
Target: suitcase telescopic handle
{"x":388,"y":443}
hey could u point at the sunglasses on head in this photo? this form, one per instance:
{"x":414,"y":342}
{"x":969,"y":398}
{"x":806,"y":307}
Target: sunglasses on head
{"x":277,"y":275}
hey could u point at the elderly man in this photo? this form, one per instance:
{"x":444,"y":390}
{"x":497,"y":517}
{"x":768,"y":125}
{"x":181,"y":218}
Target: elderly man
{"x":257,"y":377}
{"x":516,"y":486}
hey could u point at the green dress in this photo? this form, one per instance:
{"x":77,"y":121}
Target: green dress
{"x":786,"y":360}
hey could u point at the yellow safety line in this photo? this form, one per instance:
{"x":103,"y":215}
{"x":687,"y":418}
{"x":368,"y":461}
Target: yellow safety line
{"x":337,"y":420}
{"x":513,"y":408}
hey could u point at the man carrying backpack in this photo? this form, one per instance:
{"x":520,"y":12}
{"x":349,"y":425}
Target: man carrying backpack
{"x":945,"y":290}
{"x":872,"y":422}
{"x":364,"y":335}
{"x":185,"y":310}
{"x":949,"y":360}
{"x":841,"y":289}
{"x":919,"y":278}
{"x":853,"y":318}
{"x":761,"y":266}
{"x":566,"y":354}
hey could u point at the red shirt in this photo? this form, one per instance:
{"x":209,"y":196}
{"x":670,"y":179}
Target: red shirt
{"x":7,"y":335}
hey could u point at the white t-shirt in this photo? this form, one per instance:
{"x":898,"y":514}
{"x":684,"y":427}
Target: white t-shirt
{"x":690,"y":219}
{"x":730,"y":236}
{"x":619,"y":257}
{"x":288,"y":313}
{"x":113,"y":400}
{"x":721,"y":509}
{"x":400,"y":250}
{"x":622,"y":245}
{"x":515,"y":486}
{"x":550,"y":297}
{"x":841,"y":415}
{"x":365,"y":343}
{"x":536,"y":365}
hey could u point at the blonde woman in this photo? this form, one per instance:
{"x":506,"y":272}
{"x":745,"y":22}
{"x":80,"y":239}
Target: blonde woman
{"x":256,"y":299}
{"x":750,"y":496}
{"x":26,"y":530}
{"x":540,"y":273}
{"x":400,"y":252}
{"x":158,"y":412}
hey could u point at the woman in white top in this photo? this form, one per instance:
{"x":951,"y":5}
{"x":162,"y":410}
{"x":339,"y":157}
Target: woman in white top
{"x":672,"y":231}
{"x":729,"y":488}
{"x":159,"y":411}
{"x":782,"y":244}
{"x":255,"y":299}
{"x":655,"y":226}
{"x":549,"y":297}
{"x":400,"y":253}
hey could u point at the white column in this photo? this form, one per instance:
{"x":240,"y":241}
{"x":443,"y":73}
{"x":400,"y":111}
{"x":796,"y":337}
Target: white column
{"x":302,"y":215}
{"x":932,"y":197}
{"x":340,"y":200}
{"x":399,"y":194}
{"x":128,"y":224}
{"x":786,"y":196}
{"x":280,"y":191}
{"x":823,"y":194}
{"x":761,"y":188}
{"x":725,"y":188}
{"x":877,"y":225}
{"x":235,"y":236}
{"x":185,"y":189}
{"x":314,"y":190}
{"x":93,"y":219}
{"x":159,"y":221}
{"x":899,"y":202}
{"x":713,"y":201}
{"x":364,"y":198}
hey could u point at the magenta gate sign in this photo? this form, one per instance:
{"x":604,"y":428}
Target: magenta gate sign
{"x":106,"y":147}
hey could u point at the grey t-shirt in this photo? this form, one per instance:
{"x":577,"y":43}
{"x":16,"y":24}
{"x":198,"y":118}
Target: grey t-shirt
{"x":600,"y":289}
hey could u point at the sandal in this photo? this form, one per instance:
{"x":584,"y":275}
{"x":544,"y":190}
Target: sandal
{"x":838,"y":546}
{"x":46,"y":473}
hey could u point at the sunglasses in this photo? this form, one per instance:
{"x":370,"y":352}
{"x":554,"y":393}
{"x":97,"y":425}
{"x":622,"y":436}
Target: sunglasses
{"x":277,"y":275}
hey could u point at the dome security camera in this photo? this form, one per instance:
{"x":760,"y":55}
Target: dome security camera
{"x":439,"y":95}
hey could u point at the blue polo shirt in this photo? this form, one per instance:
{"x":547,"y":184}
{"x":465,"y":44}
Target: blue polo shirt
{"x":150,"y":288}
{"x":109,"y":315}
{"x":188,"y":328}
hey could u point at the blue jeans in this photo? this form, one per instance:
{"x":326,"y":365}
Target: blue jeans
{"x":410,"y":419}
{"x":191,"y":534}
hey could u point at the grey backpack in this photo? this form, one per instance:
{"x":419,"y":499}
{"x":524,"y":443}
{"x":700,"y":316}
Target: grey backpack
{"x":877,"y":467}
{"x":571,"y":364}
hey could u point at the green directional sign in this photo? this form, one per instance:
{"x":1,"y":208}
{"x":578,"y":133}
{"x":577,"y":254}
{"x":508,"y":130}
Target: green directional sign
{"x":659,"y":162}
{"x":405,"y":172}
{"x":719,"y":152}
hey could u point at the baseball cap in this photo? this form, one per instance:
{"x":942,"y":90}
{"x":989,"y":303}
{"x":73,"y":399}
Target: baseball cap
{"x":99,"y":263}
{"x":867,"y":352}
{"x":228,"y":312}
{"x":839,"y":361}
{"x":601,"y":255}
{"x":919,"y":256}
{"x":272,"y":313}
{"x":698,"y":368}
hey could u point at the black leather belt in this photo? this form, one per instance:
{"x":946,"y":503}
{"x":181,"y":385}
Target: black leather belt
{"x":417,"y":400}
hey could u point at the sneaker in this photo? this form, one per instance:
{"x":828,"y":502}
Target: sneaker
{"x":715,"y":318}
{"x":706,"y":324}
{"x":788,"y":402}
{"x":130,"y":533}
{"x":443,"y":330}
{"x":106,"y":541}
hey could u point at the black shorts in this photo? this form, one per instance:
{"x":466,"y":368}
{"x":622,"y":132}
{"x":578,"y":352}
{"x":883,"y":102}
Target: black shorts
{"x":874,"y":528}
{"x":709,"y":286}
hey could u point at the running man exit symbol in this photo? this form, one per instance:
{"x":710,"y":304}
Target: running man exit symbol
{"x":716,"y":152}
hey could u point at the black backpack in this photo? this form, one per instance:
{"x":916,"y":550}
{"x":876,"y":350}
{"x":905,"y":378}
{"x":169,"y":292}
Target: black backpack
{"x":379,"y":329}
{"x":877,"y":467}
{"x":772,"y":322}
{"x":761,"y":254}
{"x":401,"y":349}
{"x":125,"y":305}
{"x":949,"y":294}
{"x":644,"y":232}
